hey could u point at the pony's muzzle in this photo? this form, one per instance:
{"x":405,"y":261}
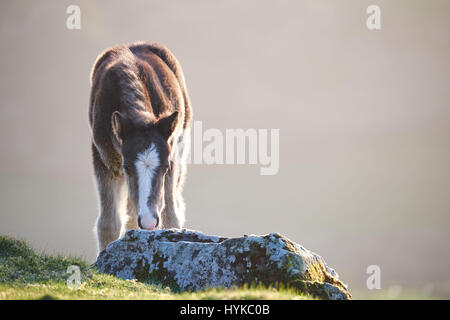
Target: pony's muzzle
{"x":148,"y":222}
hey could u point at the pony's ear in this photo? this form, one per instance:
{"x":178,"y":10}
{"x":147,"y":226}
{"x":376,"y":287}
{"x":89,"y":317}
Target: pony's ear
{"x":118,"y":123}
{"x":167,"y":125}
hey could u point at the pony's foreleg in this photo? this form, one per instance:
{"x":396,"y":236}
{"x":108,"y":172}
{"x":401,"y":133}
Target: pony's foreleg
{"x":132,"y":223}
{"x":112,"y":192}
{"x":172,"y":216}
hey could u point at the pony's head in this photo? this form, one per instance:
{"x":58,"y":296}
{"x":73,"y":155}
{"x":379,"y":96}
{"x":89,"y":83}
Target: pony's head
{"x":145,"y":149}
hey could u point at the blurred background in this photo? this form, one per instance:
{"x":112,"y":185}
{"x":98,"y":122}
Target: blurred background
{"x":364,"y":119}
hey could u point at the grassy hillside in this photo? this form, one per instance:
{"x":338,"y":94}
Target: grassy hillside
{"x":26,"y":274}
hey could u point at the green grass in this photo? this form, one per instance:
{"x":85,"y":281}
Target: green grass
{"x":27,"y":274}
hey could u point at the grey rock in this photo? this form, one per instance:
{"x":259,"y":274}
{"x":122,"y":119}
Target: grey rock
{"x":189,"y":260}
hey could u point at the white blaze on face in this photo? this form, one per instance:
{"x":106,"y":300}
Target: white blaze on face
{"x":146,"y":164}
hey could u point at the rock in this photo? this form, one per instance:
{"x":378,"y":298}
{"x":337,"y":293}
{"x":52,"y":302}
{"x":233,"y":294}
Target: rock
{"x":190,"y":260}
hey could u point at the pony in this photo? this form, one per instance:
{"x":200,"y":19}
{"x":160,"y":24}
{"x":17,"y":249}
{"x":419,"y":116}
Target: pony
{"x":140,"y":118}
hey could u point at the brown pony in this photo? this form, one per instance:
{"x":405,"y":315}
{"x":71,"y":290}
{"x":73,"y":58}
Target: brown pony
{"x":140,"y":117}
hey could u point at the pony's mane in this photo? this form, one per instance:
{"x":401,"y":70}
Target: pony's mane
{"x":133,"y":94}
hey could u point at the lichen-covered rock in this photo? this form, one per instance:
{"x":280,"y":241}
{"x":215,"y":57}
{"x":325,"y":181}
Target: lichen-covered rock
{"x":190,"y":260}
